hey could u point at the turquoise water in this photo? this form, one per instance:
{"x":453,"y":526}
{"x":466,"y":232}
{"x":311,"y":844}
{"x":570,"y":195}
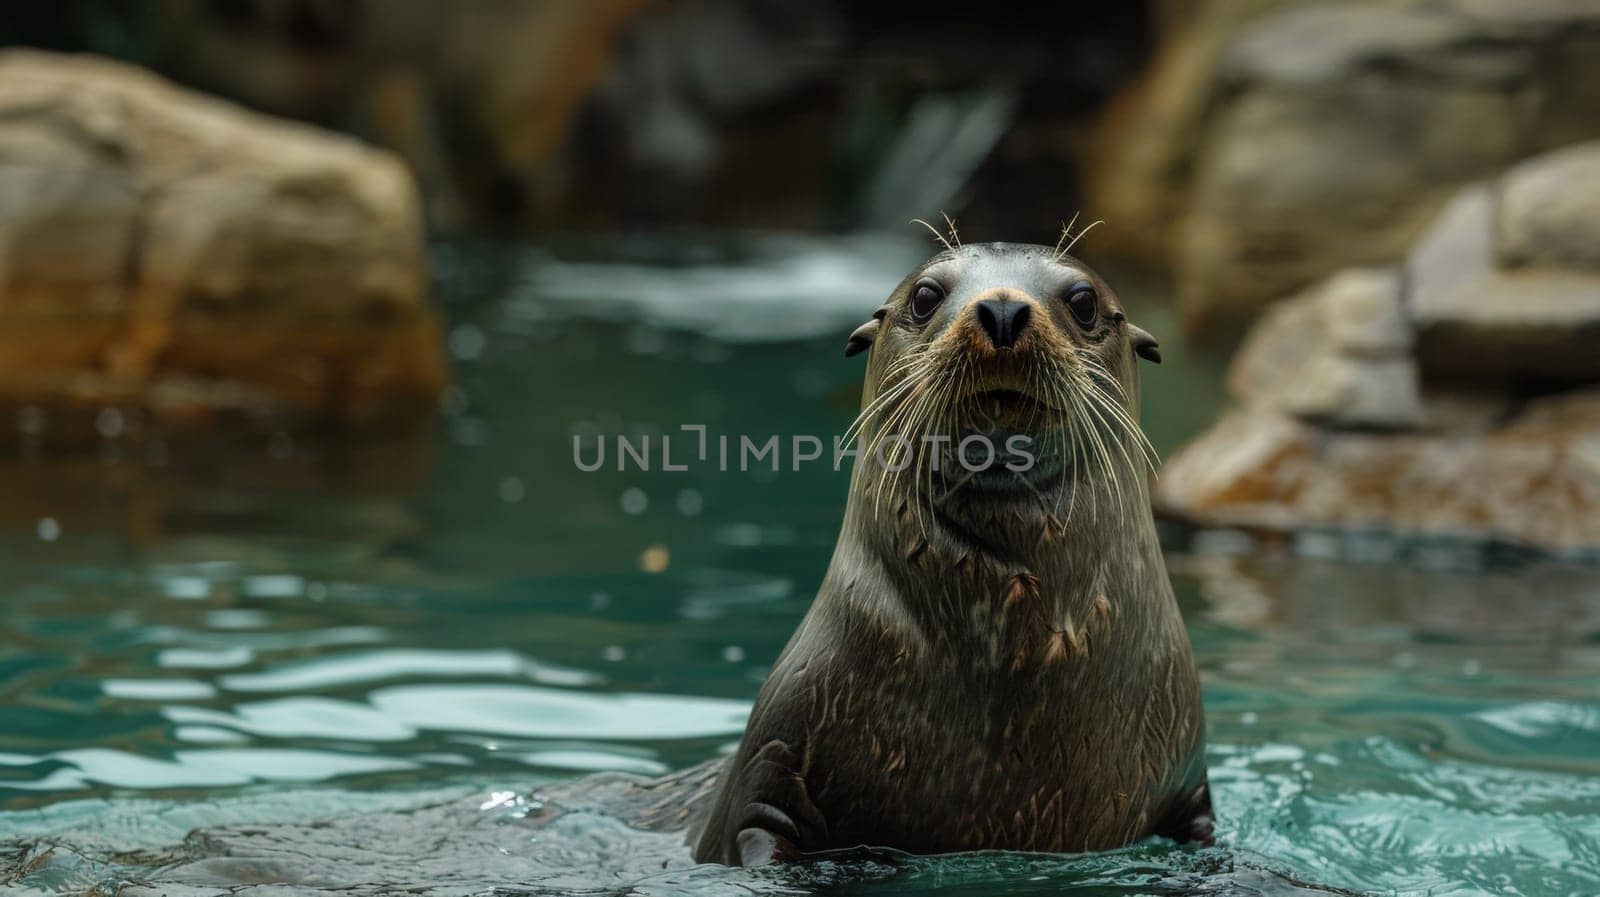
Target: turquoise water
{"x":289,"y":631}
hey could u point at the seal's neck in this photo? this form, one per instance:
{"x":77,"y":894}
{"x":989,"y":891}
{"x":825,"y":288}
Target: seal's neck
{"x":1011,"y":576}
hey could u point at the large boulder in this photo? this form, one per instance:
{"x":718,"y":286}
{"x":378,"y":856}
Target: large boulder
{"x":174,"y":257}
{"x":1490,"y":308}
{"x":1457,"y":395}
{"x":1331,"y":134}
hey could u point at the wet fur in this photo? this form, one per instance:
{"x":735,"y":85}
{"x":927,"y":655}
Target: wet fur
{"x":982,"y":669}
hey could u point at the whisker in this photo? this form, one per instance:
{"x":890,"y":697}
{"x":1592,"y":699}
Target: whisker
{"x":1075,"y":240}
{"x":935,"y":231}
{"x":952,"y":226}
{"x":1066,"y":231}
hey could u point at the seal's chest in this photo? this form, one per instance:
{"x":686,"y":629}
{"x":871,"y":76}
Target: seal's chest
{"x":1012,"y":776}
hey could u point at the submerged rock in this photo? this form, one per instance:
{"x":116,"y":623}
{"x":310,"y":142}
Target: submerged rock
{"x":1456,"y":396}
{"x":176,"y":257}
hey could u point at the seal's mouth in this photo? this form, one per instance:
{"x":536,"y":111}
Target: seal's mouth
{"x":1006,"y":405}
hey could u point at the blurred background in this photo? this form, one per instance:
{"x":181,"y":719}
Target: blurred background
{"x":302,"y":303}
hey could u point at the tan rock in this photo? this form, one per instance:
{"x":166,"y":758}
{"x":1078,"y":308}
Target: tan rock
{"x":1329,"y":135}
{"x":1142,"y":154}
{"x":1480,"y":322}
{"x":1549,"y":213}
{"x":1335,"y":430}
{"x":1533,"y":482}
{"x":156,"y":244}
{"x":1336,"y":353}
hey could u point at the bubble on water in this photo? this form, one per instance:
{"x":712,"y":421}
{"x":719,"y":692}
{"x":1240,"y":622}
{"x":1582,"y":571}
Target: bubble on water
{"x":634,"y":501}
{"x":467,"y":342}
{"x":599,"y":601}
{"x":498,"y":799}
{"x":655,"y":559}
{"x":733,"y":654}
{"x":1248,"y":718}
{"x":48,"y":529}
{"x":690,"y":502}
{"x":512,"y":490}
{"x":1471,"y":667}
{"x":613,"y":653}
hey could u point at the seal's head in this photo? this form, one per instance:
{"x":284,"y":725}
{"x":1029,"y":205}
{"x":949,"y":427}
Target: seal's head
{"x":1001,"y":340}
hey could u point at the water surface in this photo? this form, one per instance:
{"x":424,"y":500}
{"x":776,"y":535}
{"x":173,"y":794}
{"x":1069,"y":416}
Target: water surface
{"x":295,"y":631}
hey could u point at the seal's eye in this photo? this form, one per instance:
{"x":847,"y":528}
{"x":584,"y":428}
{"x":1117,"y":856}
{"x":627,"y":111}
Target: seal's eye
{"x":925,"y":300}
{"x":1084,"y":305}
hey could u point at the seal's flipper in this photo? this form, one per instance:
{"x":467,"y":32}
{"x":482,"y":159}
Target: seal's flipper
{"x":1192,"y":820}
{"x":770,"y":817}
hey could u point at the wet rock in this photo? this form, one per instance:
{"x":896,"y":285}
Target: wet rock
{"x":1333,"y":133}
{"x":178,"y":258}
{"x":1455,"y":396}
{"x":1533,"y":481}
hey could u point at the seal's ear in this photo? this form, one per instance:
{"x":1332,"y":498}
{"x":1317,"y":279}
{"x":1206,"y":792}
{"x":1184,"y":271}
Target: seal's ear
{"x":1144,"y":345}
{"x":862,"y":337}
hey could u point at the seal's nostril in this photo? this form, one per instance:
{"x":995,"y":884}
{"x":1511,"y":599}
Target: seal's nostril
{"x":1019,"y":319}
{"x":1003,"y":320}
{"x":989,"y":317}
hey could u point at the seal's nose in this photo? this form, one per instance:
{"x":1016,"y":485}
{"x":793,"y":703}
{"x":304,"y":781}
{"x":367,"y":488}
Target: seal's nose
{"x":1004,"y":320}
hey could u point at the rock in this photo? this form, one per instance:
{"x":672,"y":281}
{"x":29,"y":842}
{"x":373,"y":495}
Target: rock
{"x":1550,"y":211}
{"x":1534,"y":324}
{"x":1142,"y":154}
{"x":1453,"y":397}
{"x":1534,"y":481}
{"x":1337,"y":353}
{"x":1331,"y":134}
{"x":178,"y":257}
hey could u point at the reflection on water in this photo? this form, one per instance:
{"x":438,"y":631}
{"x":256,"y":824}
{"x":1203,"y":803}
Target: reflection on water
{"x":271,"y":634}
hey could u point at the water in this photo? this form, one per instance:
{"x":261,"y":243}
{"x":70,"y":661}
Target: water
{"x":432,"y":640}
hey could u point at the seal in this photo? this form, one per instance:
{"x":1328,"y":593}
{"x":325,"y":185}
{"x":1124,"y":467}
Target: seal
{"x":995,"y":658}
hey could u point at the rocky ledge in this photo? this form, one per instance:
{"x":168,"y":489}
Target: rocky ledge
{"x":1454,"y":395}
{"x":168,"y":260}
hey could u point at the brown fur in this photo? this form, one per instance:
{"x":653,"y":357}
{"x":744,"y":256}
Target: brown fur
{"x":981,"y":669}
